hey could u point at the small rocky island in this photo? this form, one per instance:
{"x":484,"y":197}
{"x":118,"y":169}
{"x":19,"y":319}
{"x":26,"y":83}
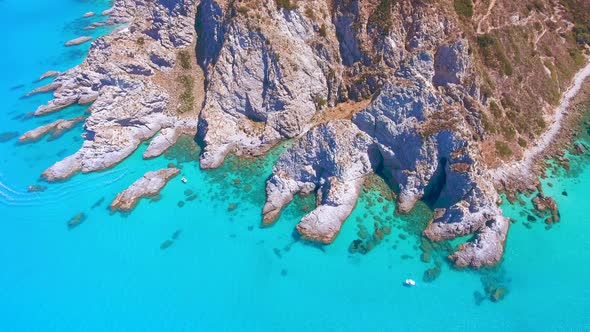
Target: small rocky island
{"x":435,"y":98}
{"x":148,"y":185}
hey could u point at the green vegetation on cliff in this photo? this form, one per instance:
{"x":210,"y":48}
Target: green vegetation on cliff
{"x":579,"y":12}
{"x":286,"y":4}
{"x":463,"y":7}
{"x":381,"y":16}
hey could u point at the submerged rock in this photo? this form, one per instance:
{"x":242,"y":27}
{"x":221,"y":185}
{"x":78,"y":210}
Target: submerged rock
{"x":357,"y":246}
{"x":36,"y":188}
{"x":277,"y":252}
{"x":579,"y":148}
{"x":166,"y":244}
{"x":76,"y":220}
{"x":431,"y":274}
{"x":425,"y":257}
{"x":176,"y":234}
{"x":98,"y":203}
{"x":7,"y":136}
{"x":148,"y":185}
{"x":498,"y":294}
{"x":478,"y":297}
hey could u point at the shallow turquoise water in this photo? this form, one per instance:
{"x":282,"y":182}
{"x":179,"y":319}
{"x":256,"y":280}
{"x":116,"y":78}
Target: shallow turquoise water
{"x":224,"y":272}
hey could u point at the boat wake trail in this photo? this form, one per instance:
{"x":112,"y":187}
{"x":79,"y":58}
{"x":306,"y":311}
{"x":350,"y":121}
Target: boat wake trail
{"x":57,"y":194}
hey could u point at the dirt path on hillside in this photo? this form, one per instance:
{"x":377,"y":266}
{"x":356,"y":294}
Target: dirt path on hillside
{"x":523,"y":167}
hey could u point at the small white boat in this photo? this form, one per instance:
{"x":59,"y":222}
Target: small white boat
{"x":409,"y":283}
{"x":184,"y":180}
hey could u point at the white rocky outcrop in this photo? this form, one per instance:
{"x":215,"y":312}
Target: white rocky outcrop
{"x":487,"y":248}
{"x":55,"y":128}
{"x":332,"y":160}
{"x":47,"y":74}
{"x":148,"y":185}
{"x":129,"y":77}
{"x":163,"y":141}
{"x":78,"y":41}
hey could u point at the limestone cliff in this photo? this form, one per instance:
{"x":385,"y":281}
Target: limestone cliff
{"x":430,"y":95}
{"x":132,"y":78}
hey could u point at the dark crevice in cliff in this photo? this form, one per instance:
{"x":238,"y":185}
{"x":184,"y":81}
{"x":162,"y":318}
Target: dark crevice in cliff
{"x":345,"y":20}
{"x":201,"y":132}
{"x":365,"y":47}
{"x":383,"y":173}
{"x":272,"y":75}
{"x":210,"y":28}
{"x":436,"y":185}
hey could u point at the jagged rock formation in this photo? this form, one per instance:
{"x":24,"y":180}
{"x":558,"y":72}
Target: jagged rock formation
{"x":487,"y":248}
{"x":331,"y":159}
{"x":420,"y":126}
{"x":129,"y":77}
{"x":428,"y":78}
{"x":263,"y":83}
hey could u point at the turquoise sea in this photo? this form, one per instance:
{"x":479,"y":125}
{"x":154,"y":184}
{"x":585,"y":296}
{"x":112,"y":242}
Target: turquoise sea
{"x":223,"y":272}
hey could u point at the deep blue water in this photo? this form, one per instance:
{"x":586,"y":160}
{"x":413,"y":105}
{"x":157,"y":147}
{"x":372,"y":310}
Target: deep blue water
{"x":223,"y":272}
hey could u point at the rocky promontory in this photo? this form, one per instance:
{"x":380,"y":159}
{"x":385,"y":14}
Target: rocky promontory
{"x":47,"y":74}
{"x":417,"y":92}
{"x":55,"y":128}
{"x":148,"y":185}
{"x":135,"y":96}
{"x":331,"y":160}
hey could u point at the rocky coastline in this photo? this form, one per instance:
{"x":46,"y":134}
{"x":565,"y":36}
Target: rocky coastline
{"x":251,"y":76}
{"x":133,"y":97}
